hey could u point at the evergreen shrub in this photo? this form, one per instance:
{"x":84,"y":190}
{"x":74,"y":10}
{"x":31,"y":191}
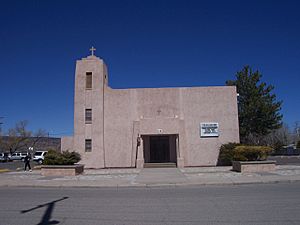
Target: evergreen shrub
{"x":251,"y":153}
{"x":237,"y":152}
{"x":226,"y":154}
{"x":65,"y":158}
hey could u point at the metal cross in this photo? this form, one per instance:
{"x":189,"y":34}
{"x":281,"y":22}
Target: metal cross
{"x":92,"y":49}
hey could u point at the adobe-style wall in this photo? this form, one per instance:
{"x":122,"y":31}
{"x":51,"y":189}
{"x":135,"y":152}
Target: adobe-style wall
{"x":172,"y":111}
{"x":208,"y":104}
{"x":121,"y":116}
{"x":67,"y":143}
{"x":92,"y":99}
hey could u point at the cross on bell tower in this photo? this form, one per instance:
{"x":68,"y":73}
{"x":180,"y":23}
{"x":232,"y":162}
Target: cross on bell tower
{"x":92,"y":49}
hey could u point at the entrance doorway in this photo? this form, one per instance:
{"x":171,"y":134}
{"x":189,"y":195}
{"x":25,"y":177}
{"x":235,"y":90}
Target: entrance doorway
{"x":160,"y":148}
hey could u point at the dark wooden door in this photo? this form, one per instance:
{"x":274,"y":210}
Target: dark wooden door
{"x":159,"y":149}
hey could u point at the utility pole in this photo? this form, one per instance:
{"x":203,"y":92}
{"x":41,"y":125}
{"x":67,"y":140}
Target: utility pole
{"x":297,"y":128}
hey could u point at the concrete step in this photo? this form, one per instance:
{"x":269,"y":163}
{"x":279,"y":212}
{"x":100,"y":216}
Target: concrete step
{"x":159,"y":165}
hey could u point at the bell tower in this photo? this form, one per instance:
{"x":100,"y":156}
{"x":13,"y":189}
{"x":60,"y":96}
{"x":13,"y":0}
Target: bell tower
{"x":90,"y":83}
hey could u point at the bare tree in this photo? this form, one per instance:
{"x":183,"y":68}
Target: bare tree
{"x":17,"y":137}
{"x":278,"y":138}
{"x":1,"y":130}
{"x":20,"y":137}
{"x":36,"y":138}
{"x":297,"y":132}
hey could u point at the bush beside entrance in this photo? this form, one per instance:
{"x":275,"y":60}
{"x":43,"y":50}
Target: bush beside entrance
{"x":237,"y":152}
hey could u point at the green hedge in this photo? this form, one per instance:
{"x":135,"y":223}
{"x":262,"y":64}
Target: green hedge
{"x":251,"y":153}
{"x":237,"y":152}
{"x":65,"y":158}
{"x":226,"y":154}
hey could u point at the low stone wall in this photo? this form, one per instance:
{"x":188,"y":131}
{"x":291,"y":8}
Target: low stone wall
{"x":253,"y":166}
{"x":62,"y":170}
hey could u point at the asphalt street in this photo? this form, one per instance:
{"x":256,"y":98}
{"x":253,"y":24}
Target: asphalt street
{"x":262,"y":204}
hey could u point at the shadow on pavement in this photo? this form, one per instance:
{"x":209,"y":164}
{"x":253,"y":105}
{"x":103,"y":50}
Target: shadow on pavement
{"x":47,"y":215}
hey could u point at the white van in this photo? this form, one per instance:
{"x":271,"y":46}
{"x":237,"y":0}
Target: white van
{"x":39,"y":156}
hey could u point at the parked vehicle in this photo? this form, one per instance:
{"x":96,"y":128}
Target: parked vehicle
{"x":18,"y":155}
{"x":5,"y":157}
{"x":39,"y":156}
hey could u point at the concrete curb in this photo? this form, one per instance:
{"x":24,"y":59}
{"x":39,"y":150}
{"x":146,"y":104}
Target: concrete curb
{"x":158,"y":185}
{"x":151,"y":178}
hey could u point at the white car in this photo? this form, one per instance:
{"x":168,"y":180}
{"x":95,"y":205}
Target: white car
{"x":18,"y":155}
{"x":5,"y":157}
{"x":39,"y":156}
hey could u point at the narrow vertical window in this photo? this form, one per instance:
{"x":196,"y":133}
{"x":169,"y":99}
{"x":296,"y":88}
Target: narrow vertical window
{"x":88,"y":145}
{"x":88,"y":115}
{"x":88,"y":80}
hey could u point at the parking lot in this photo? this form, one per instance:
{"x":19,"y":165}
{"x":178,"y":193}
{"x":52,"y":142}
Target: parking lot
{"x":15,"y":165}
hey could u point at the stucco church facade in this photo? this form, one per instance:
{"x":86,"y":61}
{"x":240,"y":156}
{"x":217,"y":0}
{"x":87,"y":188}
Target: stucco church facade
{"x":136,"y":127}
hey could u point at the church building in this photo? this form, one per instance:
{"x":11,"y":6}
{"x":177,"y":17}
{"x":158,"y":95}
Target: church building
{"x":141,"y":127}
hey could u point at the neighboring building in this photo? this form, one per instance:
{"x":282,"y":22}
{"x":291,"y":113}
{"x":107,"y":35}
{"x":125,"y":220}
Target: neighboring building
{"x":130,"y":127}
{"x":40,"y":144}
{"x":47,"y":143}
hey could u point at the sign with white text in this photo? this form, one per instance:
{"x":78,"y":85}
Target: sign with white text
{"x":209,"y":129}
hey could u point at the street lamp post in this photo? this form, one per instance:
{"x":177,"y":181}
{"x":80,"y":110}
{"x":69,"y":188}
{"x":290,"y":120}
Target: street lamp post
{"x":30,"y":149}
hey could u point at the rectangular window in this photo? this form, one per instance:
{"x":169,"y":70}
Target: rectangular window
{"x":88,"y":145}
{"x":88,"y":115}
{"x":88,"y":80}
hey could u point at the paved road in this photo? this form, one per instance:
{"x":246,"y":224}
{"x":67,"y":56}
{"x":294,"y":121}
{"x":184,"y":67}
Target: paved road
{"x":265,"y":204}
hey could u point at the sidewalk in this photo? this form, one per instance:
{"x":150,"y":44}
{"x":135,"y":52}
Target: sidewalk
{"x":151,"y":177}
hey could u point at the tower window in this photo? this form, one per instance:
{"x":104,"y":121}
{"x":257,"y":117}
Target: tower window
{"x":88,"y":80}
{"x":88,"y":115}
{"x":88,"y":145}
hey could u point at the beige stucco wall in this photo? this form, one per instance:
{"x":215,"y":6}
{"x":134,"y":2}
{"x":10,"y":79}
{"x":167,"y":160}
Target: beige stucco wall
{"x":119,"y":116}
{"x":118,"y":125}
{"x":89,"y":99}
{"x":208,"y":104}
{"x":67,"y":143}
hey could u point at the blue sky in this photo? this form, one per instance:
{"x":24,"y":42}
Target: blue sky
{"x":153,"y":43}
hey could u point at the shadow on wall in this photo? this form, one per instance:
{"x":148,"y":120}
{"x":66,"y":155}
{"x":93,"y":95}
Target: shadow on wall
{"x":46,"y":219}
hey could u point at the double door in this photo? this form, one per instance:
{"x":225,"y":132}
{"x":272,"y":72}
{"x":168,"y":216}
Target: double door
{"x":159,"y":149}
